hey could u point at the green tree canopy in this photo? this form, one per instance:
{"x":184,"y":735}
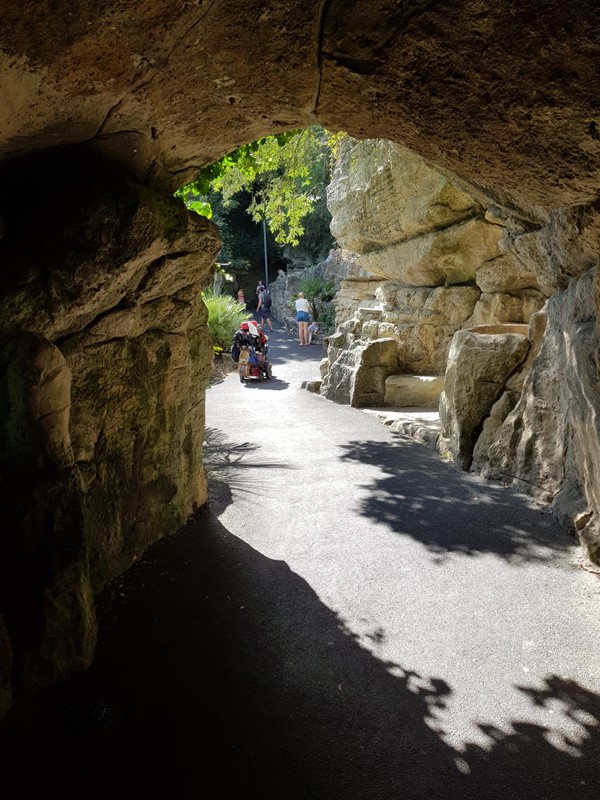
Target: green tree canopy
{"x":286,"y":175}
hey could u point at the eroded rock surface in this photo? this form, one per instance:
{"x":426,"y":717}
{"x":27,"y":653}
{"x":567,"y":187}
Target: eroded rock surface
{"x":166,"y":86}
{"x":103,"y":361}
{"x":479,"y":365}
{"x":422,"y":246}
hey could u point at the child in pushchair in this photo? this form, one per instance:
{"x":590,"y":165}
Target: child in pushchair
{"x":251,"y":352}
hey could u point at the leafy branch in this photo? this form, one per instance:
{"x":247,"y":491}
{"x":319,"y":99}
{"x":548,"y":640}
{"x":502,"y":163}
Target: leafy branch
{"x":286,"y":174}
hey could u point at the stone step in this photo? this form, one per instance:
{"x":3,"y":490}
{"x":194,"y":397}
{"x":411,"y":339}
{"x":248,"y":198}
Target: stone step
{"x":421,"y":391}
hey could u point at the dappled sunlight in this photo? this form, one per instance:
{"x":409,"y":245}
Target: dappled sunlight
{"x":449,"y":511}
{"x":251,"y":683}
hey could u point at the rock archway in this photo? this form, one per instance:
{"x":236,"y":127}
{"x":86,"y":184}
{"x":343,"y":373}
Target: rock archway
{"x":107,"y":108}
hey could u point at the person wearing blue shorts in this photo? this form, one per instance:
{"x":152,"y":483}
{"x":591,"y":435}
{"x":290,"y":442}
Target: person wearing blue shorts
{"x":302,"y":318}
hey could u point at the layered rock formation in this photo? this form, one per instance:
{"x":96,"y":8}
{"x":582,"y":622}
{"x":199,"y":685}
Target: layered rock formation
{"x":424,"y":266}
{"x":98,"y":270}
{"x":519,"y":370}
{"x":104,"y":357}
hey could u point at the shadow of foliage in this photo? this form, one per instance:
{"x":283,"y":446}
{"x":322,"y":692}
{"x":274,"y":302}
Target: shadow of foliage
{"x":220,"y":674}
{"x":450,"y":511}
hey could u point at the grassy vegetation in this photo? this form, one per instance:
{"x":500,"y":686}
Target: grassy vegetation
{"x":225,"y":315}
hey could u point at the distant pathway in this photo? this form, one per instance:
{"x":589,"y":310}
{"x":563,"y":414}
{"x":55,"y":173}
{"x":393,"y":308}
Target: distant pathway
{"x":352,"y":619}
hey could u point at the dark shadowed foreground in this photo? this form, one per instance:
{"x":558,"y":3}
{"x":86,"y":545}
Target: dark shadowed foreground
{"x":407,"y":633}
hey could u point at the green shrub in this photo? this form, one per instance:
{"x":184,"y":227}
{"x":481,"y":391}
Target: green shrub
{"x":225,"y":315}
{"x":327,"y":319}
{"x":317,"y":288}
{"x":320,"y":294}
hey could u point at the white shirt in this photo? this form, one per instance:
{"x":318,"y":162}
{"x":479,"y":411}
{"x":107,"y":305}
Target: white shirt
{"x":302,"y":304}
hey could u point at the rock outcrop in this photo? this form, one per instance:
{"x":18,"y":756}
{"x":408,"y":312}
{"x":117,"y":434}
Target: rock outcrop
{"x":104,"y":356}
{"x":421,"y":246}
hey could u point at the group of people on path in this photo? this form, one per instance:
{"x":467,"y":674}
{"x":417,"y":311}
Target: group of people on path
{"x":306,"y":330}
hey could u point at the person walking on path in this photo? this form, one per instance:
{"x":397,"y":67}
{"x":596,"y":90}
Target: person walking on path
{"x":302,"y":317}
{"x":260,"y":287}
{"x":241,"y":296}
{"x":264,"y":308}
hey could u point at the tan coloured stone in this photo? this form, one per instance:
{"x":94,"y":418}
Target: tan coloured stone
{"x":382,"y":194}
{"x":506,"y":273}
{"x":535,"y":334}
{"x":423,"y":324}
{"x":504,"y":308}
{"x":356,"y":376}
{"x":478,"y":367}
{"x":498,"y":413}
{"x":551,"y":440}
{"x":380,"y":353}
{"x":352,"y":295}
{"x":450,"y":256}
{"x":370,"y":329}
{"x":419,"y":391}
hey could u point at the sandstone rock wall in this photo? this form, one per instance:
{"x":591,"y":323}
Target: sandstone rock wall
{"x":505,"y":306}
{"x":428,"y":261}
{"x":104,"y":357}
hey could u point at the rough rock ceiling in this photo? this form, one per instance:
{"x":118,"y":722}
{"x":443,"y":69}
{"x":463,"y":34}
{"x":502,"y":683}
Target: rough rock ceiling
{"x":506,"y":95}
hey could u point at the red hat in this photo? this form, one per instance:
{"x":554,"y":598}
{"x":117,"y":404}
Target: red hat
{"x":244,"y":326}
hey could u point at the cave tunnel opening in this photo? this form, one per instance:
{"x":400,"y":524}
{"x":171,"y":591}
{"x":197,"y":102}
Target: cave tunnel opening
{"x":117,"y":312}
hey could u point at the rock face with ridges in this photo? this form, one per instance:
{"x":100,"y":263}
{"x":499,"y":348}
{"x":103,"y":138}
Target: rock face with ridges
{"x":421,"y":244}
{"x":479,"y":365}
{"x":365,"y":179}
{"x":104,"y":356}
{"x":551,"y":439}
{"x":356,"y":374}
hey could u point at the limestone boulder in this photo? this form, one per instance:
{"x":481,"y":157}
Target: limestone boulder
{"x":381,"y":194}
{"x":418,"y":391}
{"x":479,"y":365}
{"x":442,"y":258}
{"x":356,"y":376}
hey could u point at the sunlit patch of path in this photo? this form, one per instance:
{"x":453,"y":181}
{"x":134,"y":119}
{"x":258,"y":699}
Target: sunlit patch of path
{"x":468,"y":586}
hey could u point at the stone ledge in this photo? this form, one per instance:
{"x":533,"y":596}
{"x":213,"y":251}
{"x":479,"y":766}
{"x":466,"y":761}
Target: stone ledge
{"x":421,"y":424}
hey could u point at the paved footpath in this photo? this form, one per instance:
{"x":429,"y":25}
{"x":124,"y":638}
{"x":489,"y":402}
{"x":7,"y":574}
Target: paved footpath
{"x":351,"y":619}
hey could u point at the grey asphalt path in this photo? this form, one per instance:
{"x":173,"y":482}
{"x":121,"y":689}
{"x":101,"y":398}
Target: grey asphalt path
{"x":350,"y":618}
{"x":466,"y":592}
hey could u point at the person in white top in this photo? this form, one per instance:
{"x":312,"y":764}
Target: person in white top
{"x":302,"y":317}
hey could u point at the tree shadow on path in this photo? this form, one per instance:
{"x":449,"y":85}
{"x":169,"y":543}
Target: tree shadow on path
{"x":450,"y":511}
{"x":220,"y":674}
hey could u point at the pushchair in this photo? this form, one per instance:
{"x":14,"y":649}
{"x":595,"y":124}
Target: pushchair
{"x":251,"y":352}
